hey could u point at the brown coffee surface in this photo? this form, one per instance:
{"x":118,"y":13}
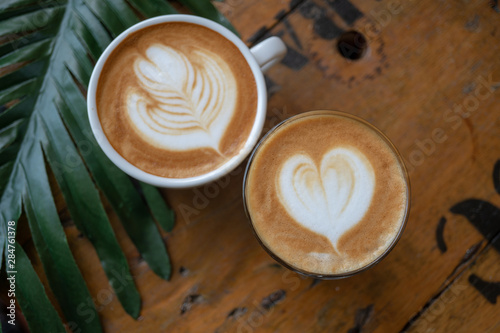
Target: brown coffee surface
{"x":176,"y":100}
{"x":322,"y":172}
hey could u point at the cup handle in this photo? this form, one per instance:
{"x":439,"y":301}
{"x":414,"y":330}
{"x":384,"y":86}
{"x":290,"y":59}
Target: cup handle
{"x":269,"y":52}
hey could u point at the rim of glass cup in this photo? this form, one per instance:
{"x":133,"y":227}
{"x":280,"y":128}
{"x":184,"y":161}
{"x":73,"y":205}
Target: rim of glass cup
{"x":401,"y":164}
{"x":166,"y":182}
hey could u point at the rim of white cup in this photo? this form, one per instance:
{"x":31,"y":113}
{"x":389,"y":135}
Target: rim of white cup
{"x":166,"y":182}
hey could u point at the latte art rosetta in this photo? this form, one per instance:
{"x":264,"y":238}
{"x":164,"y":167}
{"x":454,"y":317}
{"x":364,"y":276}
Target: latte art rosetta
{"x":178,"y":100}
{"x":331,"y":198}
{"x":181,"y":101}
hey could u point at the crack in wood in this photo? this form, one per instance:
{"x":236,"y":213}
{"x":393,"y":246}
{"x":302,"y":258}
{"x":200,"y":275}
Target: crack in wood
{"x":268,"y":302}
{"x":494,"y":5}
{"x":264,"y":31}
{"x":189,"y":301}
{"x":470,"y":256}
{"x":281,"y":14}
{"x":183,"y":271}
{"x":237,"y":313}
{"x":484,"y":217}
{"x":362,"y":316}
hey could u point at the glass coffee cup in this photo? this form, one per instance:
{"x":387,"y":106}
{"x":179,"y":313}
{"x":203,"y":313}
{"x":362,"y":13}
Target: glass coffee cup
{"x":327,"y":194}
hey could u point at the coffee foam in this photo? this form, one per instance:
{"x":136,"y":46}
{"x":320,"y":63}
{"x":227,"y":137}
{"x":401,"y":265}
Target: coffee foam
{"x":177,"y":100}
{"x":339,"y":190}
{"x":185,"y":103}
{"x":326,"y":194}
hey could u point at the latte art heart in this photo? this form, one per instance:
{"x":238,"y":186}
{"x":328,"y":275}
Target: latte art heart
{"x":329,"y":199}
{"x":181,"y":102}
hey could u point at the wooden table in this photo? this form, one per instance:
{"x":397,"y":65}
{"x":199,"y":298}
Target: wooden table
{"x":430,"y":79}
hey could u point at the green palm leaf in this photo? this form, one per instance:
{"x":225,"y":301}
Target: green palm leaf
{"x":32,"y":297}
{"x":47,"y":52}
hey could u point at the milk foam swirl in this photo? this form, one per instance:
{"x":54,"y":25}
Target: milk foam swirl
{"x":331,"y":199}
{"x":182,"y":101}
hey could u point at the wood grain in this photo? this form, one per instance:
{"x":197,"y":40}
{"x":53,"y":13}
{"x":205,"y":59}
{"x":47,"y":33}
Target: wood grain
{"x":462,"y":307}
{"x":429,"y":79}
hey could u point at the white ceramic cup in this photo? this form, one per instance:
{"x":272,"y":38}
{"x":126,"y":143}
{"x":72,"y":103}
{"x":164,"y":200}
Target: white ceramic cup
{"x":260,"y":58}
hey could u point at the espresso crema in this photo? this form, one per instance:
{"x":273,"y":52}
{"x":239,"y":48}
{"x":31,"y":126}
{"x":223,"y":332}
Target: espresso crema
{"x":326,"y":194}
{"x":176,"y":99}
